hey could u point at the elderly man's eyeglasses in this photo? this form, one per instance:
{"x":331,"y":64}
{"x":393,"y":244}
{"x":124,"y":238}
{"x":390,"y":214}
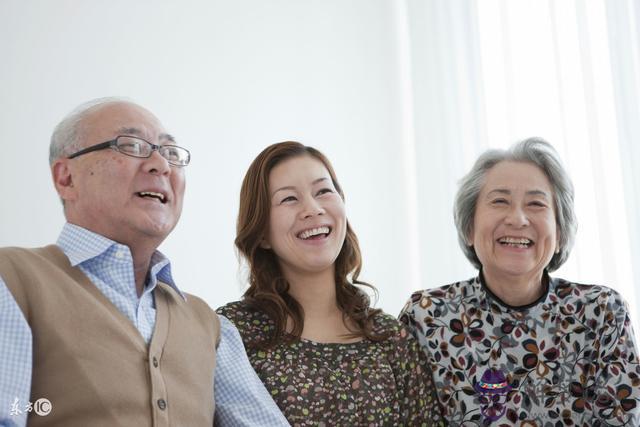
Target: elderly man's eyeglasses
{"x":138,"y":147}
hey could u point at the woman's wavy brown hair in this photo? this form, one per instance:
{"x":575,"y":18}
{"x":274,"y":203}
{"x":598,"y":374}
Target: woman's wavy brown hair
{"x":268,"y":289}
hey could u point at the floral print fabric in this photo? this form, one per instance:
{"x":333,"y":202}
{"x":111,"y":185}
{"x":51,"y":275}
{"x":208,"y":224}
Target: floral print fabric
{"x":569,"y":359}
{"x":357,"y":384}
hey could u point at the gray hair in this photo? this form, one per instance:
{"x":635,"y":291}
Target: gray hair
{"x":532,"y":150}
{"x":66,"y":136}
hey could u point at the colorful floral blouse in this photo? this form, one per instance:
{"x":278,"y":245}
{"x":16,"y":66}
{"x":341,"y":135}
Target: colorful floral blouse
{"x":567,"y":359}
{"x":358,"y":384}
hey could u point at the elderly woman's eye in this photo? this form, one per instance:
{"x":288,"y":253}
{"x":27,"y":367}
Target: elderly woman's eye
{"x":499,"y":201}
{"x":537,"y":204}
{"x":325,"y":191}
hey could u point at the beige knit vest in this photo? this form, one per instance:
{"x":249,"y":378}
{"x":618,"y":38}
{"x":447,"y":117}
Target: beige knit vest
{"x":91,"y":362}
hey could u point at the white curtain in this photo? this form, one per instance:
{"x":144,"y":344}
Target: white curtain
{"x":487,"y":73}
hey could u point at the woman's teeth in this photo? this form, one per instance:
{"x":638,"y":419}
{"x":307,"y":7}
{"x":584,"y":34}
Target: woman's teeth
{"x":516,"y":242}
{"x":314,"y":232}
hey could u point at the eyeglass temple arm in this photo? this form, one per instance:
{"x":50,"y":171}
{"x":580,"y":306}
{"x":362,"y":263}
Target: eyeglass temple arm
{"x":96,"y":147}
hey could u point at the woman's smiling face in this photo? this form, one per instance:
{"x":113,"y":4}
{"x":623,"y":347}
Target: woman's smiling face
{"x":307,"y":222}
{"x":514,"y":229}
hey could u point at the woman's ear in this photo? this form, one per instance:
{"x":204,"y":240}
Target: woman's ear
{"x":264,"y":244}
{"x":469,"y":239}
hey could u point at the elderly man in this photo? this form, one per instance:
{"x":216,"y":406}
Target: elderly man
{"x":94,"y":330}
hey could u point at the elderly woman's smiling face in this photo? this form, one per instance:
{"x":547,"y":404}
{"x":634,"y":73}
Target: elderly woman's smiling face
{"x":514,"y":229}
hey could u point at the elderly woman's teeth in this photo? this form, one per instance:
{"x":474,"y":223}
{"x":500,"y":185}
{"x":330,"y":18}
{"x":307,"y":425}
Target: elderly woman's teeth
{"x":515,"y":242}
{"x":313,"y":232}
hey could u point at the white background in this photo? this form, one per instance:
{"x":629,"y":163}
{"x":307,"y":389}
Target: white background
{"x":400,"y":95}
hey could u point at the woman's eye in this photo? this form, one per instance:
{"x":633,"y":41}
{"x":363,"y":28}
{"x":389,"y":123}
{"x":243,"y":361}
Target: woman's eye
{"x":537,"y":204}
{"x":324,"y":191}
{"x":499,"y":201}
{"x":288,"y":199}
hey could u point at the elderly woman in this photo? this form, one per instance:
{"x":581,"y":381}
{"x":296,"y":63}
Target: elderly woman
{"x":514,"y":345}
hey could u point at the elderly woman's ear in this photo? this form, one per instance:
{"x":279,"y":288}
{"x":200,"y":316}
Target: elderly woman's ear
{"x":469,"y":238}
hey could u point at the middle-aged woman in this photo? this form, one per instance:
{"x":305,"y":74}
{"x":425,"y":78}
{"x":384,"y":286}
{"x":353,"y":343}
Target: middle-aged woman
{"x":326,"y":357}
{"x":514,"y":346}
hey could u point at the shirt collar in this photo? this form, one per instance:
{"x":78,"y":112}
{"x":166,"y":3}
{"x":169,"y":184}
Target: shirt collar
{"x":546,"y":283}
{"x":81,"y":245}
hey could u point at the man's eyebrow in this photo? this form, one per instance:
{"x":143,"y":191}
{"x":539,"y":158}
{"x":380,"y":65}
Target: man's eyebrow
{"x":138,"y":132}
{"x":167,"y":137}
{"x":130,"y":131}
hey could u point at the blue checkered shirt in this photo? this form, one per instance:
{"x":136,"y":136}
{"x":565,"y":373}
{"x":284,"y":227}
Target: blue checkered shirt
{"x":240,"y":397}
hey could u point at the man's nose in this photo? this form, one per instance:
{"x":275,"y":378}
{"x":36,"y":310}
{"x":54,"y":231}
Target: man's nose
{"x":157,"y":164}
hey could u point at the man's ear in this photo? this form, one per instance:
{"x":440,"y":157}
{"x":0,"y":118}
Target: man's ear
{"x":63,"y":179}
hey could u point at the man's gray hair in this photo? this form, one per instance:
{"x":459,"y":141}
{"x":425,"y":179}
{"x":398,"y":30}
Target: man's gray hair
{"x":66,"y":136}
{"x":532,"y":150}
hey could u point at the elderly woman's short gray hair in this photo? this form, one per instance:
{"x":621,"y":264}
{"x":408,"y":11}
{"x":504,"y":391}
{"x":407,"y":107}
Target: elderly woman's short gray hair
{"x":540,"y":153}
{"x":66,"y":136}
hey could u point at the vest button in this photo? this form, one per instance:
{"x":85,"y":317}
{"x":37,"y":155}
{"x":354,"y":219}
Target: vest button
{"x":162,"y":404}
{"x":155,"y":362}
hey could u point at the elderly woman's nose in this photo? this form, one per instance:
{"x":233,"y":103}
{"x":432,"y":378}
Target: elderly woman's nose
{"x":516,"y":217}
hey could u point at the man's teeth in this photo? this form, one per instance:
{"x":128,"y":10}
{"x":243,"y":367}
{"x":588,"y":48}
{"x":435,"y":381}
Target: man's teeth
{"x":519,"y":242}
{"x":158,"y":196}
{"x":313,"y":232}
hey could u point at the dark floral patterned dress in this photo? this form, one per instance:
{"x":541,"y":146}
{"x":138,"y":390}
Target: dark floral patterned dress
{"x":569,"y":359}
{"x":357,"y":384}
